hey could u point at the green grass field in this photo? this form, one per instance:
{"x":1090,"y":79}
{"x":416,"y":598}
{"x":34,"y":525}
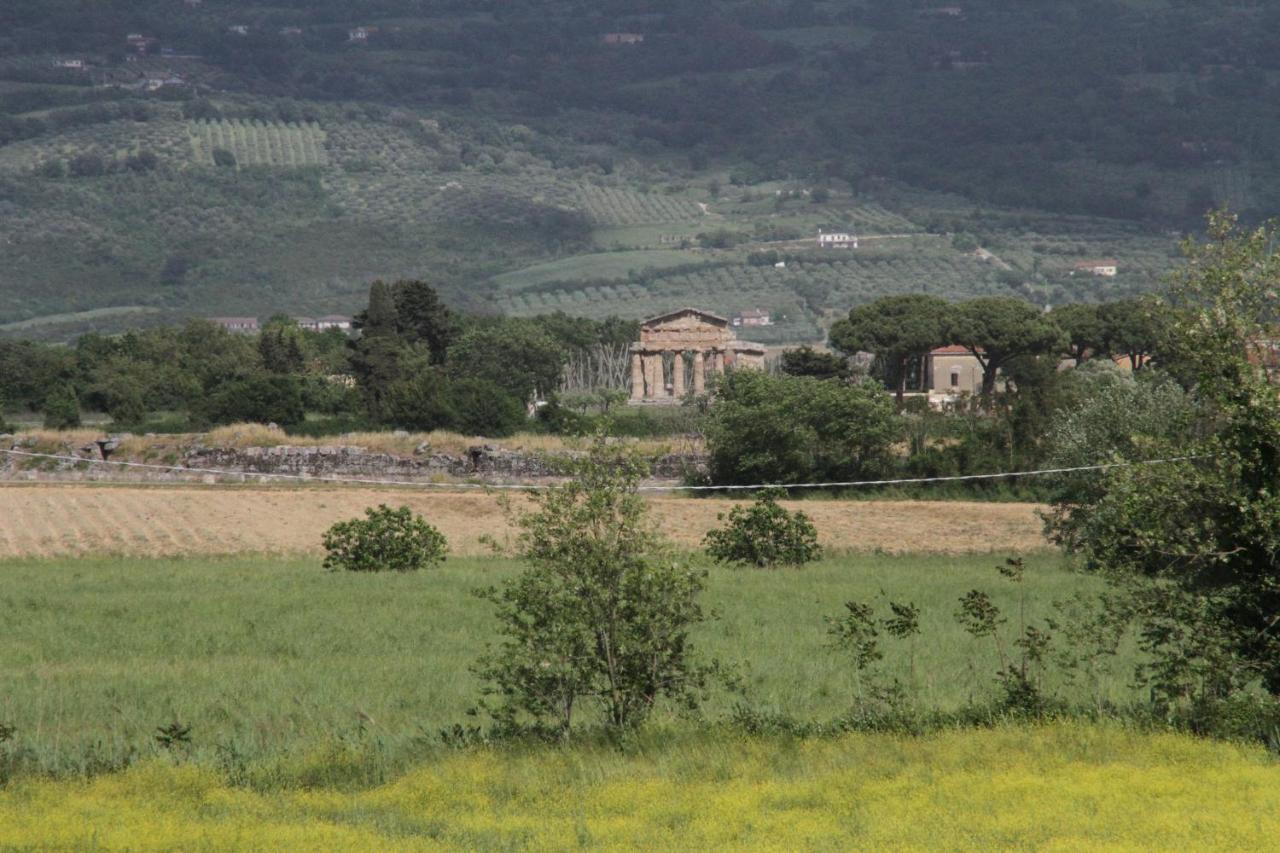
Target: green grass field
{"x":315,"y":700}
{"x":268,"y":658}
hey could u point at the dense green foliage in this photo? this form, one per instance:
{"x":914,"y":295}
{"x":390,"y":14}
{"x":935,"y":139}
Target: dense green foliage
{"x":765,"y":535}
{"x":1206,"y":526}
{"x":792,"y":429}
{"x":602,"y":613}
{"x":387,"y":539}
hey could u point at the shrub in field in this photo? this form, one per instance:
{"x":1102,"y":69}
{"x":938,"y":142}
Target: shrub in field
{"x":857,"y":633}
{"x":764,"y":534}
{"x":386,"y":539}
{"x":1023,"y":659}
{"x":601,"y":615}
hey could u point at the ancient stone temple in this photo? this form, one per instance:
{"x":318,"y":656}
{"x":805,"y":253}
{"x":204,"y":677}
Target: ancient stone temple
{"x":677,"y":351}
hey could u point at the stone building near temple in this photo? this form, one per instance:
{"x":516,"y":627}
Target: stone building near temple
{"x":678,"y":351}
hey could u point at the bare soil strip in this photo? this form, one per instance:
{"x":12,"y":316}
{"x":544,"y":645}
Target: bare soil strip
{"x":74,"y":520}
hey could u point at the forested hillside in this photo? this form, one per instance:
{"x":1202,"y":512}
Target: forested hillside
{"x":161,"y":158}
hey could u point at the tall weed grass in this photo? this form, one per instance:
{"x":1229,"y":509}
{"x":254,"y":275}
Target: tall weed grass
{"x":1060,"y":786}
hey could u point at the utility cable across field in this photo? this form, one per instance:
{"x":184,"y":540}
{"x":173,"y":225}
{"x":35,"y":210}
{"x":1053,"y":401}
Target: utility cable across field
{"x":359,"y":481}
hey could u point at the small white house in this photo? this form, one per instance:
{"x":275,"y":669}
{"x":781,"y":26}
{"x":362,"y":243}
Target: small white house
{"x":333,"y":321}
{"x":1104,"y":269}
{"x":73,"y":64}
{"x":837,"y":240}
{"x":753,"y":317}
{"x":237,"y":324}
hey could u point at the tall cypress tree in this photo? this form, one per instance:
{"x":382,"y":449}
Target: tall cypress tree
{"x":375,"y":355}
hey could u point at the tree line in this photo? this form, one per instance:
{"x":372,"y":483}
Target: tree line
{"x":415,"y":364}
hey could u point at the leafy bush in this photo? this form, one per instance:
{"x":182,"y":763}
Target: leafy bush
{"x":601,"y":616}
{"x":385,"y":540}
{"x":765,"y":534}
{"x":790,"y":429}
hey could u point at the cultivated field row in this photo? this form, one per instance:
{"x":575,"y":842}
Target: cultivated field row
{"x":57,"y":521}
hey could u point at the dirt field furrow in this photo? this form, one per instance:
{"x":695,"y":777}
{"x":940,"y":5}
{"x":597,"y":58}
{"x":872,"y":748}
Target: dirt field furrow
{"x":66,"y":520}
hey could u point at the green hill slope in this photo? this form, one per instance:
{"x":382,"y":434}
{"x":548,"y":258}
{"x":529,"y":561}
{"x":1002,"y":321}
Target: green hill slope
{"x":521,"y":159}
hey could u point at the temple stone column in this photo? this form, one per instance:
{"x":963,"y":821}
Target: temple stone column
{"x":654,"y":376}
{"x":699,"y":373}
{"x":677,"y":376}
{"x":717,"y":361}
{"x":637,"y":376}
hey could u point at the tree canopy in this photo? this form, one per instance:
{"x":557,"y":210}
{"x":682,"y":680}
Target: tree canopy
{"x":895,"y":329}
{"x":997,"y":329}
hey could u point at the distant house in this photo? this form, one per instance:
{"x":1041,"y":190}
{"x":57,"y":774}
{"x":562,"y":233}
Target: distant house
{"x":333,"y":321}
{"x":153,"y":81}
{"x":73,"y":64}
{"x":290,"y":31}
{"x":942,"y":12}
{"x":238,"y":29}
{"x":361,"y":35}
{"x":322,"y":324}
{"x":1104,"y":268}
{"x":951,"y":371}
{"x":139,"y":43}
{"x":237,"y":324}
{"x":753,"y":317}
{"x":622,"y":38}
{"x":837,"y":240}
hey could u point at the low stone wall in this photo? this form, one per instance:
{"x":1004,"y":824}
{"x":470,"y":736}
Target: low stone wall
{"x":487,"y":463}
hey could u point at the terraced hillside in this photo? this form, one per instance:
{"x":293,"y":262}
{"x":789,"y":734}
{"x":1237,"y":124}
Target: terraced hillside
{"x":243,"y":207}
{"x":258,"y":143}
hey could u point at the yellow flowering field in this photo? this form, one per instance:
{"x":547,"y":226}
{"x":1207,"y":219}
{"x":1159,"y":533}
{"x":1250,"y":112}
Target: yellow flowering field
{"x":1065,"y":786}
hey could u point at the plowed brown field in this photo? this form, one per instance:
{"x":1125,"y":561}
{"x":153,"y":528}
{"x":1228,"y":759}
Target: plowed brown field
{"x":64,"y":520}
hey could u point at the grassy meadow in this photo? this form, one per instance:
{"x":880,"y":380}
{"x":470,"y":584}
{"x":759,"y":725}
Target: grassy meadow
{"x":315,"y":703}
{"x":273,"y":661}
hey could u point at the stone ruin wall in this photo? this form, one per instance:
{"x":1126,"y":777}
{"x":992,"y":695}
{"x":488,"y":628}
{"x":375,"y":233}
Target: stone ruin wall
{"x":486,"y":463}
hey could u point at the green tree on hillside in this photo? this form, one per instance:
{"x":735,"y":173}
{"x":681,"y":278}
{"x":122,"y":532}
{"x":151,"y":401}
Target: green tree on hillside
{"x":997,"y":329}
{"x":896,"y":329}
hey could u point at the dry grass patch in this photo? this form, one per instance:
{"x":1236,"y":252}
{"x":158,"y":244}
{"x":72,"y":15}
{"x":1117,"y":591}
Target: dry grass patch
{"x":69,"y":520}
